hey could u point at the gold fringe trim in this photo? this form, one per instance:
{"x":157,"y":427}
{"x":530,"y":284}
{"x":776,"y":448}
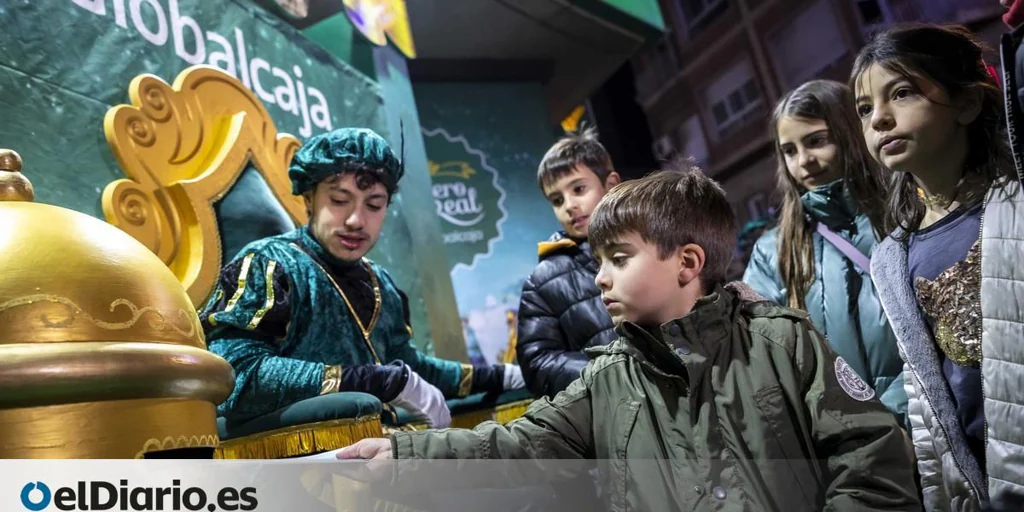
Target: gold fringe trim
{"x":411,"y":427}
{"x":508,"y":412}
{"x":302,"y":440}
{"x":472,"y":418}
{"x":501,"y":414}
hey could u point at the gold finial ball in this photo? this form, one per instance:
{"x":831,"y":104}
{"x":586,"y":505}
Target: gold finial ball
{"x":14,"y":186}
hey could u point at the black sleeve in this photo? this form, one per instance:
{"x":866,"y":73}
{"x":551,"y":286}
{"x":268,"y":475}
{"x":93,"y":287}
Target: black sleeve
{"x":385,"y":382}
{"x":541,"y":349}
{"x":488,"y":378}
{"x":237,"y":300}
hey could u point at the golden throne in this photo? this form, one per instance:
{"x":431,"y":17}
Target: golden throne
{"x":187,"y":149}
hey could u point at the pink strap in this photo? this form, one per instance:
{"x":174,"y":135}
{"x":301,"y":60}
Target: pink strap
{"x":852,"y":253}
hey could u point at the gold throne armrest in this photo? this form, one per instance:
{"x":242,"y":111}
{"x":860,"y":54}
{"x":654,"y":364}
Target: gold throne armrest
{"x":182,"y":148}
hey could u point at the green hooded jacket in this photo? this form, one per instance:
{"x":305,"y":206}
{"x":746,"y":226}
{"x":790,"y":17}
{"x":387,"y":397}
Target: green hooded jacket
{"x":739,"y":405}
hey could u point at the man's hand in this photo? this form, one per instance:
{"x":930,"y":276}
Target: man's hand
{"x":374,"y":449}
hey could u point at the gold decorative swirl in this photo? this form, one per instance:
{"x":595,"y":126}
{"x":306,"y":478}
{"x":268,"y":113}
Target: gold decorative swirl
{"x":182,"y":148}
{"x":171,"y":443}
{"x":135,"y":210}
{"x":134,"y":207}
{"x":155,"y":103}
{"x":157,"y":322}
{"x":141,"y":130}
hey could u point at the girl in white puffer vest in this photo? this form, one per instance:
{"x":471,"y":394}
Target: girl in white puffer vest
{"x":948,"y":276}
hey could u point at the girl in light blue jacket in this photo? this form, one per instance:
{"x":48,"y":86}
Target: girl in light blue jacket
{"x":816,"y":259}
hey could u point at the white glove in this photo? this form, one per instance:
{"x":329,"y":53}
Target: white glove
{"x":421,"y":398}
{"x":513,"y":378}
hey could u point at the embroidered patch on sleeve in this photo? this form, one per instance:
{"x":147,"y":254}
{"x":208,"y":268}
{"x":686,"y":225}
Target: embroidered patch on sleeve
{"x":852,"y":383}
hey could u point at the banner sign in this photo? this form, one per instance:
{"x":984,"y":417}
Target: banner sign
{"x":73,"y":59}
{"x":183,"y":27}
{"x":467,"y":196}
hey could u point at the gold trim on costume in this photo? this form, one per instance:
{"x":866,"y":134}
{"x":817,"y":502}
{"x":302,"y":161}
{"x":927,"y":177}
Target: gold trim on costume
{"x":269,"y":303}
{"x":376,"y":301}
{"x":301,"y":439}
{"x":466,"y":381}
{"x":332,"y":379}
{"x":220,"y":295}
{"x":242,"y":276}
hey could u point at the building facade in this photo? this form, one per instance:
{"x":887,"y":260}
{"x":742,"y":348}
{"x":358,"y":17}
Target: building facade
{"x":709,"y":85}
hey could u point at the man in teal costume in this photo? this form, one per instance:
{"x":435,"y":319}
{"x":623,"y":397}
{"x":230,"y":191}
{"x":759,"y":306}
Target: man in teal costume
{"x":305,"y":313}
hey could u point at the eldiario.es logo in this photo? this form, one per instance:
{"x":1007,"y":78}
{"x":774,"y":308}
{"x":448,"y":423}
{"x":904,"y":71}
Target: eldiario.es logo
{"x":36,"y":496}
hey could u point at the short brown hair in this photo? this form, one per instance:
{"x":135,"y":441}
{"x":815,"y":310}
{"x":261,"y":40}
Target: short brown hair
{"x":581,"y":148}
{"x":677,"y":206}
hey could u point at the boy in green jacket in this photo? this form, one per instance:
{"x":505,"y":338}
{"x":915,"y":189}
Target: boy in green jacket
{"x":743,"y":403}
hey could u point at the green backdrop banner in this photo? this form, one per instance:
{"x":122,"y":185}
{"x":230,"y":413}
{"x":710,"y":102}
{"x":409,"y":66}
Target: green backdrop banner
{"x":69,"y":60}
{"x":468,"y":197}
{"x":64,"y":63}
{"x":484,"y":142}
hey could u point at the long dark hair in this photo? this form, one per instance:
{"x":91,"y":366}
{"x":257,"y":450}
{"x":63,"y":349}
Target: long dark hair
{"x":951,"y":58}
{"x":832,"y":102}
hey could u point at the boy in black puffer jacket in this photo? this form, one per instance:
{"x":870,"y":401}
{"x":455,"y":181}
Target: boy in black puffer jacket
{"x":561,"y":312}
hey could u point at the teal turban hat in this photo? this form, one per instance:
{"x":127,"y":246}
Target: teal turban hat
{"x":335,"y":152}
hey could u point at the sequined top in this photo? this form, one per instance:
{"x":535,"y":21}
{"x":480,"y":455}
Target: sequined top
{"x":944,"y":261}
{"x":952,"y":302}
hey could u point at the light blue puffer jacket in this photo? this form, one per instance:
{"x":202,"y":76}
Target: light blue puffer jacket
{"x":841,"y":301}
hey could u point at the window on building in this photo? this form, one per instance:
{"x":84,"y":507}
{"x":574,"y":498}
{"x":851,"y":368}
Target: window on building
{"x":807,"y":45}
{"x":700,"y":13}
{"x":732,"y":97}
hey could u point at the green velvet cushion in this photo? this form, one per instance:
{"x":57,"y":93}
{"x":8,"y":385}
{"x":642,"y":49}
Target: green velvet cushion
{"x":471,"y":403}
{"x":328,"y":407}
{"x":249,"y":212}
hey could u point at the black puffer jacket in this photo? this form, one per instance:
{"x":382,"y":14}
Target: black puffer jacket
{"x":560,"y":314}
